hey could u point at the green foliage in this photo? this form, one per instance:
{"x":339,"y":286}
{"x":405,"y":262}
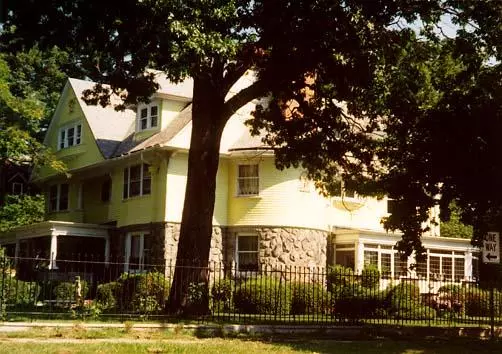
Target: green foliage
{"x":17,"y":292}
{"x":370,"y":277}
{"x":144,"y":293}
{"x":21,"y":210}
{"x":339,"y":275}
{"x":477,"y":303}
{"x":454,"y":227}
{"x":66,"y":293}
{"x":263,"y":295}
{"x":222,"y":295}
{"x":310,"y":298}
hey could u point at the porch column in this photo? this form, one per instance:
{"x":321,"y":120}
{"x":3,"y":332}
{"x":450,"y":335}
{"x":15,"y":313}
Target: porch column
{"x":107,"y":250}
{"x":16,"y":251}
{"x":54,"y":252}
{"x":468,"y":266}
{"x":359,"y":261}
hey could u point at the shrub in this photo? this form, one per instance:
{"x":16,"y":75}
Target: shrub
{"x":221,"y":295}
{"x":106,"y":295}
{"x":370,"y":277}
{"x":310,"y":298}
{"x":477,"y":303}
{"x":339,"y":275}
{"x":360,"y":304}
{"x":141,"y":293}
{"x":263,"y":295}
{"x":17,"y":292}
{"x":416,"y":312}
{"x":66,"y":293}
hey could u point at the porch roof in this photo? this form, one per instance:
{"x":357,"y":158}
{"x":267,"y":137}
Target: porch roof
{"x":54,"y":228}
{"x":344,"y":236}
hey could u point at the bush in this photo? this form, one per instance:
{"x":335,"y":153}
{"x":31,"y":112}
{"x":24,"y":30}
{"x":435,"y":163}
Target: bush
{"x":140,"y":293}
{"x":66,"y":293}
{"x":477,"y":303}
{"x":17,"y":292}
{"x":359,"y":303}
{"x":417,"y":312}
{"x":221,"y":295}
{"x":339,"y":276}
{"x":263,"y":295}
{"x":370,"y":277}
{"x":310,"y":298}
{"x":106,"y":295}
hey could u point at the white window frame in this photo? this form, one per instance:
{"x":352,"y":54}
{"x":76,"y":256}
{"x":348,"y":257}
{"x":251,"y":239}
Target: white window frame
{"x":238,"y":252}
{"x":63,"y":142}
{"x":142,"y":179}
{"x":58,"y":200}
{"x":21,"y":191}
{"x":128,"y":249}
{"x":148,"y":116}
{"x":239,"y":178}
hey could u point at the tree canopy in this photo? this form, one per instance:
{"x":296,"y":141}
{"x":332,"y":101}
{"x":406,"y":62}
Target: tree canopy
{"x":353,"y":91}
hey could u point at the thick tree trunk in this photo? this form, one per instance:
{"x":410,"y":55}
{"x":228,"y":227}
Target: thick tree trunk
{"x":196,"y":224}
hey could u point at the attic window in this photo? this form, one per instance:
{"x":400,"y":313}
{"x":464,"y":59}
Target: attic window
{"x":69,"y":136}
{"x":148,"y":116}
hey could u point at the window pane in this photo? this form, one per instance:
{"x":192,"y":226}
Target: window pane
{"x":401,"y":265}
{"x":106,"y":188}
{"x":153,"y":121}
{"x":447,"y":271}
{"x":386,"y":264}
{"x":371,"y":258}
{"x":134,"y":188}
{"x":154,"y":111}
{"x":144,"y":113}
{"x":434,"y":266}
{"x":62,"y":139}
{"x":135,"y":258}
{"x":248,"y":243}
{"x":147,"y":179}
{"x":63,"y":197}
{"x":248,"y":262}
{"x":144,"y":124}
{"x":459,"y":268}
{"x":53,"y":198}
{"x":71,"y":136}
{"x":248,"y":186}
{"x":135,"y":173}
{"x":345,"y":258}
{"x":79,"y":134}
{"x":147,"y":250}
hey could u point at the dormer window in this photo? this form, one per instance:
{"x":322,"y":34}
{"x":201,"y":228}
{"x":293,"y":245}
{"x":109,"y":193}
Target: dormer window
{"x":148,"y":116}
{"x":70,"y":135}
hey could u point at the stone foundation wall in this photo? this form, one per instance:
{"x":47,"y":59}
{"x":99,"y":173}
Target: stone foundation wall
{"x":282,"y":247}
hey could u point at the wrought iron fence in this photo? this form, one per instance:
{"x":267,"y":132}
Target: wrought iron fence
{"x":87,"y":287}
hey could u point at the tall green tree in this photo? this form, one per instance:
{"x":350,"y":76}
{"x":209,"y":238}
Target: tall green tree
{"x":323,"y":65}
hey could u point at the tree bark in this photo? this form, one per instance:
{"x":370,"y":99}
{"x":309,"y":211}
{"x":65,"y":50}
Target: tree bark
{"x":196,"y":224}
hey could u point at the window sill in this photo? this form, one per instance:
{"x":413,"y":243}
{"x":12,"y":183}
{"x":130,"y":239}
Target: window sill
{"x":249,"y":196}
{"x":136,"y":197}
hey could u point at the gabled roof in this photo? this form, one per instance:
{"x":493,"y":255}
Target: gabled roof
{"x":109,"y":126}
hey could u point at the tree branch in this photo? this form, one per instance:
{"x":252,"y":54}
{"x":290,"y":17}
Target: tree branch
{"x":256,"y":90}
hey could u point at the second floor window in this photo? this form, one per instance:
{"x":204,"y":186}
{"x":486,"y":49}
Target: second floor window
{"x":70,"y":135}
{"x":58,"y":197}
{"x":148,"y":117}
{"x":248,"y":180}
{"x":137,"y":181}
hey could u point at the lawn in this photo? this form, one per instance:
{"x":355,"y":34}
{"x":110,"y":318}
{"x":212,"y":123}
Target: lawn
{"x":81,"y":340}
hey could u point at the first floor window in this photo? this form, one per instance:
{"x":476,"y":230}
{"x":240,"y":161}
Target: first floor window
{"x":137,"y":181}
{"x":248,"y":180}
{"x":138,"y":251}
{"x":58,"y":197}
{"x":247,"y":252}
{"x":69,"y":136}
{"x":106,"y":190}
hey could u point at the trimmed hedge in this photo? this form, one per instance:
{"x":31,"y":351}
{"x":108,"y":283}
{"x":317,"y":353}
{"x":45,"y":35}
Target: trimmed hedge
{"x":308,"y":298}
{"x":263,"y":295}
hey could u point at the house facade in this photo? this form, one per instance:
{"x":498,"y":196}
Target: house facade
{"x":122,"y":195}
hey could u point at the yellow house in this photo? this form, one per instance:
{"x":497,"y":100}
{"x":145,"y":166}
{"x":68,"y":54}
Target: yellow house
{"x":122,"y":195}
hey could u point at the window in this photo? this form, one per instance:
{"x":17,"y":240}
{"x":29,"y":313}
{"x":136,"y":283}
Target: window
{"x":106,"y":190}
{"x":371,"y":258}
{"x":17,"y":188}
{"x":247,"y":253}
{"x":70,"y":136}
{"x":138,"y":251}
{"x":148,"y":116}
{"x":248,"y":180}
{"x":342,"y":190}
{"x":58,"y":197}
{"x":137,"y":181}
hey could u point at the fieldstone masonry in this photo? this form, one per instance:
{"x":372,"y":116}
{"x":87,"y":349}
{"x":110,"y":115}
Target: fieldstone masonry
{"x":282,"y":247}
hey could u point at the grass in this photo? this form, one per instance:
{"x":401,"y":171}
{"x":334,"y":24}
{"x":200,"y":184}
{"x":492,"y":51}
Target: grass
{"x":237,"y":346}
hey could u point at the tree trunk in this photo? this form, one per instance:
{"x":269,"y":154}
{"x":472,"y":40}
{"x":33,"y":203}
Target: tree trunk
{"x":196,"y":224}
